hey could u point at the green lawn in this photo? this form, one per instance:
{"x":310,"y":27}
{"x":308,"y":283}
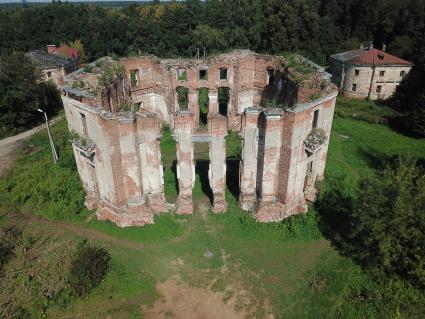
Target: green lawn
{"x":287,"y":267}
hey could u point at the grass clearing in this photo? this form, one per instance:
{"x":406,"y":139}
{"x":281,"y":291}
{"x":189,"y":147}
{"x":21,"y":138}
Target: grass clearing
{"x":287,"y":267}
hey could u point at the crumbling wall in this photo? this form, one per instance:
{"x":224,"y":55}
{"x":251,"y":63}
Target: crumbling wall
{"x":118,"y":153}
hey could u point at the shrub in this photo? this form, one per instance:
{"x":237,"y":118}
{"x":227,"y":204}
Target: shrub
{"x":9,"y":237}
{"x":369,"y":111}
{"x":88,"y":268}
{"x":88,"y":68}
{"x":39,"y":271}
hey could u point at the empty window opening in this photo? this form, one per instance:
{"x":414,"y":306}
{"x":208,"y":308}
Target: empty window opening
{"x":134,"y":75}
{"x":379,"y":89}
{"x":356,"y":72}
{"x":270,"y":76}
{"x":181,"y":75}
{"x":223,"y":74}
{"x":49,"y":74}
{"x":315,"y":118}
{"x":136,"y":107}
{"x":402,"y":73}
{"x":203,"y":74}
{"x":280,"y":85}
{"x":223,"y":100}
{"x":354,"y":87}
{"x":203,"y":107}
{"x":381,"y":73}
{"x":182,"y":97}
{"x":84,"y":123}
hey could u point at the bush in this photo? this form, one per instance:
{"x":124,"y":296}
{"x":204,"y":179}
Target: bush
{"x":88,"y":268}
{"x":40,"y":271}
{"x":300,"y":227}
{"x":364,"y":110}
{"x":9,"y":237}
{"x":382,"y":227}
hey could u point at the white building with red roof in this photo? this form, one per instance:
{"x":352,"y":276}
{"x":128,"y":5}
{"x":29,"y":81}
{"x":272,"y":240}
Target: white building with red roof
{"x":368,"y":73}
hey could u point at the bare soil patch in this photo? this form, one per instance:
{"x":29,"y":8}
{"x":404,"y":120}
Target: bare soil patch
{"x":181,"y":301}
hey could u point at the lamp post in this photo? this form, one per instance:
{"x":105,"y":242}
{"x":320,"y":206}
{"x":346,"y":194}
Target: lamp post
{"x":52,"y":145}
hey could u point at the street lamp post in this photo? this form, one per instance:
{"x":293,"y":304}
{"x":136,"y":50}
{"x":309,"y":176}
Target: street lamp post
{"x":52,"y":145}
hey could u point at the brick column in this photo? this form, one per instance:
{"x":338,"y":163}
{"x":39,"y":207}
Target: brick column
{"x":248,"y":164}
{"x":194,"y":106}
{"x":129,"y":161}
{"x":270,"y":209}
{"x":148,"y":128}
{"x":217,"y":127}
{"x":183,"y":126}
{"x":213,"y":101}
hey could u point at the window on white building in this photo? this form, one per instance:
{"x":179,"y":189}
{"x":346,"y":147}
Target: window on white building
{"x":354,"y":87}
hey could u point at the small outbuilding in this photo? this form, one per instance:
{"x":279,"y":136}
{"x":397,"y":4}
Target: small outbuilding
{"x":368,"y":73}
{"x":53,"y":66}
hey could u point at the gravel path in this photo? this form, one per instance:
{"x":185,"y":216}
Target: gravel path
{"x":10,"y":145}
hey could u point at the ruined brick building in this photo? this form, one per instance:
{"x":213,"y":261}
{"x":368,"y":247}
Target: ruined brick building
{"x":283,"y":116}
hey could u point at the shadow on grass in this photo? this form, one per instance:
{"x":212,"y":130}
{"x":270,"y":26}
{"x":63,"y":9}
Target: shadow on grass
{"x":334,"y":207}
{"x":201,"y":168}
{"x":174,"y":170}
{"x":232,"y":177}
{"x":378,"y":161}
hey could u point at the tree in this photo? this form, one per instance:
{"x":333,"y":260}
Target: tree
{"x":22,"y":91}
{"x":77,"y":44}
{"x":410,"y":100}
{"x":383,"y":227}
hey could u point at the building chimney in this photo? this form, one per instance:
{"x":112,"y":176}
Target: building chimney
{"x":370,"y":45}
{"x":51,"y":48}
{"x":384,"y":47}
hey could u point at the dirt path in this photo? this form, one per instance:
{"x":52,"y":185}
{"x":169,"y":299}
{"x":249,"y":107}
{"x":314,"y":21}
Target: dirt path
{"x":10,"y":145}
{"x":77,"y":229}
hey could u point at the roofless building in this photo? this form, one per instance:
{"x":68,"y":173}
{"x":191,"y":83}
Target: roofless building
{"x":283,"y":116}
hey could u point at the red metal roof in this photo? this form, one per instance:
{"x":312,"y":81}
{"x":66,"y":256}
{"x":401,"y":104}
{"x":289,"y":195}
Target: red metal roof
{"x":378,"y":57}
{"x":66,"y":51}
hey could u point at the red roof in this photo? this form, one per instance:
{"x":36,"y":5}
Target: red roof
{"x":375,"y":56}
{"x":66,"y":51}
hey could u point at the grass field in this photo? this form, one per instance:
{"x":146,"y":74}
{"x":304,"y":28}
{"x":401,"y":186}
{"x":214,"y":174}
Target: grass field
{"x":288,"y":269}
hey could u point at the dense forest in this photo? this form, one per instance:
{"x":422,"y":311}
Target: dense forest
{"x":315,"y":28}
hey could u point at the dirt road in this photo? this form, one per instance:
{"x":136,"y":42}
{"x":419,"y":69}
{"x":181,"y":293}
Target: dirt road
{"x":9,"y":146}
